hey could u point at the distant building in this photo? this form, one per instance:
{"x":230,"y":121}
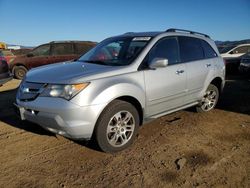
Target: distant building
{"x":14,"y":47}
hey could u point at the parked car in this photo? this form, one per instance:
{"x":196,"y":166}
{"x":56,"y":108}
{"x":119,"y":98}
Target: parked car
{"x":121,"y":83}
{"x":245,"y":64}
{"x":52,"y":52}
{"x":5,"y":74}
{"x":22,"y":51}
{"x":232,"y":55}
{"x":9,"y":56}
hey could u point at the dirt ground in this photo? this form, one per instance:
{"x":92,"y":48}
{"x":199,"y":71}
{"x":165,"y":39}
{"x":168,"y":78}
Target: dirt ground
{"x":183,"y":149}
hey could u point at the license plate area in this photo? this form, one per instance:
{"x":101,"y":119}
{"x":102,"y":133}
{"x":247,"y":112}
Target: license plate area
{"x":19,"y":111}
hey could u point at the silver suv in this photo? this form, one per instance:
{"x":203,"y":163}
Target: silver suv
{"x":124,"y":81}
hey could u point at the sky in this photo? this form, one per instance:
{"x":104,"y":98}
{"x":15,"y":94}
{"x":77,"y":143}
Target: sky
{"x":34,"y":22}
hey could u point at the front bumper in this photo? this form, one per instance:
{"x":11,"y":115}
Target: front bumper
{"x":60,"y":116}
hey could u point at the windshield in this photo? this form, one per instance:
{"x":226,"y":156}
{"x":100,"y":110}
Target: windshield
{"x":117,"y":51}
{"x":226,"y":49}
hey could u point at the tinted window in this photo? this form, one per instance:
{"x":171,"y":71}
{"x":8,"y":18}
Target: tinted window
{"x":166,"y":48}
{"x":81,"y":48}
{"x":62,"y":49}
{"x":240,"y":50}
{"x":43,"y":50}
{"x":190,"y":49}
{"x":208,"y":50}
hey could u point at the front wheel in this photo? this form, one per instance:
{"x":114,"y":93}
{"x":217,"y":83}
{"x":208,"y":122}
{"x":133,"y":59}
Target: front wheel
{"x":117,"y":126}
{"x":209,"y":100}
{"x":19,"y":72}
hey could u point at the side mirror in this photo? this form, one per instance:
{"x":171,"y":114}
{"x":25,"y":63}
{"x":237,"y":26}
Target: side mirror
{"x":232,"y":52}
{"x":30,"y":55}
{"x":158,"y":63}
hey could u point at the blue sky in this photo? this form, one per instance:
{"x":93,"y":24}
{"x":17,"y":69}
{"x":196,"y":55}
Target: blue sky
{"x":33,"y":22}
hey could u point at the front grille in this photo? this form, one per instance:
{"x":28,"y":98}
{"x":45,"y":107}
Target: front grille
{"x":29,"y":91}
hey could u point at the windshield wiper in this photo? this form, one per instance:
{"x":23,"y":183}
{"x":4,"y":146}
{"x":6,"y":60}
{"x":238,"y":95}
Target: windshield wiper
{"x":95,"y":62}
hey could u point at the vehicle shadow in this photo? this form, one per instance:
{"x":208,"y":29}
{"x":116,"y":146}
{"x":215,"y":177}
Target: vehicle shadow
{"x":8,"y":115}
{"x":236,"y":94}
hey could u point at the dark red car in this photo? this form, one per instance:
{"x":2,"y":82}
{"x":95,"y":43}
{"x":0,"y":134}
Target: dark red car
{"x":52,"y":52}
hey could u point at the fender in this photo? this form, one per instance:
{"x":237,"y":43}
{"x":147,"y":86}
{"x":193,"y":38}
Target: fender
{"x":103,"y":91}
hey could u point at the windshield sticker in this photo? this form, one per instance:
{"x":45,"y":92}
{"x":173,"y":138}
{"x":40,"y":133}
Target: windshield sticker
{"x":141,"y":38}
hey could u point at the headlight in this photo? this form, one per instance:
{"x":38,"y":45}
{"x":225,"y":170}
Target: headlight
{"x":63,"y":91}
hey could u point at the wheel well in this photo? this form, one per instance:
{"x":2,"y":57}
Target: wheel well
{"x":17,"y":65}
{"x":135,"y":103}
{"x":217,"y":82}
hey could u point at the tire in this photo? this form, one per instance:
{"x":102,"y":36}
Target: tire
{"x":112,"y":132}
{"x":209,"y":100}
{"x":19,"y":72}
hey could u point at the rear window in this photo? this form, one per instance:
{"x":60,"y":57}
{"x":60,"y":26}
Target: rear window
{"x":208,"y":50}
{"x":62,"y":49}
{"x":82,"y":48}
{"x":190,"y":49}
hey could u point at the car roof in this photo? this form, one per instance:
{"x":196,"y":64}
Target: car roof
{"x":247,"y":44}
{"x":71,"y":41}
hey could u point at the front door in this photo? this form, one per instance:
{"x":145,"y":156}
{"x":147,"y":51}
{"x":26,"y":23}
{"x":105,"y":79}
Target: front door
{"x":166,"y":86}
{"x":39,"y":56}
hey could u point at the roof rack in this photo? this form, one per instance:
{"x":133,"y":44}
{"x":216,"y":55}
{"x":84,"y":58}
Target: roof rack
{"x":128,"y":33}
{"x":186,"y":31}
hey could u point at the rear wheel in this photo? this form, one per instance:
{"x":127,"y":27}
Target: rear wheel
{"x":19,"y":72}
{"x":209,"y":100}
{"x":117,"y":126}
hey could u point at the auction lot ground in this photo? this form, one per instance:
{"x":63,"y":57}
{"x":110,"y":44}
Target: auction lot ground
{"x":183,"y":149}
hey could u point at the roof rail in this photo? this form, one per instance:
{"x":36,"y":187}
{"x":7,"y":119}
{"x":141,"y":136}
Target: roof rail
{"x":186,"y":31}
{"x":128,"y":33}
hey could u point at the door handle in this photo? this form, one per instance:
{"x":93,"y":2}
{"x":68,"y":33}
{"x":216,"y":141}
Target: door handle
{"x":208,"y":65}
{"x":179,"y":72}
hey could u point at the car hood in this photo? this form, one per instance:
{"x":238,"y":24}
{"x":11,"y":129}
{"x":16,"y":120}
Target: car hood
{"x":71,"y":72}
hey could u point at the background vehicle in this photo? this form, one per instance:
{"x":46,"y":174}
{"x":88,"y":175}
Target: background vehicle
{"x":245,"y":64}
{"x":52,"y":52}
{"x":5,"y":75}
{"x":9,"y":56}
{"x":3,"y":45}
{"x":121,"y":83}
{"x":232,"y":55}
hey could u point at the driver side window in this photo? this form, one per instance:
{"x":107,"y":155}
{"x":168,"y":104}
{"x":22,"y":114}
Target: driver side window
{"x":166,"y":48}
{"x":43,"y":50}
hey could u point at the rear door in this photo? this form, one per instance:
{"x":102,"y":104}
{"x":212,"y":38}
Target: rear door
{"x":165,"y":87}
{"x":197,"y":66}
{"x":62,"y":52}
